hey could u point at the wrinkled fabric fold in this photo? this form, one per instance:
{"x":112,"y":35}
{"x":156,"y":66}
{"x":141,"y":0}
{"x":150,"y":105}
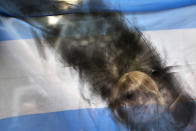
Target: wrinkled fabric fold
{"x":37,"y":8}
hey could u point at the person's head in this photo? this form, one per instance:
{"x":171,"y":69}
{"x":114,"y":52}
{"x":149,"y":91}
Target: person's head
{"x":136,"y":88}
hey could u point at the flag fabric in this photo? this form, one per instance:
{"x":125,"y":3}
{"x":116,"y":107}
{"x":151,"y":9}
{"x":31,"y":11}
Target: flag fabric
{"x":44,"y":95}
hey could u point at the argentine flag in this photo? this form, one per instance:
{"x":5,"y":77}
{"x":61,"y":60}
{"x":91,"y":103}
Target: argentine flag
{"x":44,"y":95}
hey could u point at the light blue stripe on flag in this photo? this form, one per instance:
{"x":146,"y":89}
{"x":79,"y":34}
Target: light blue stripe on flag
{"x":13,"y":7}
{"x":98,"y":119}
{"x":171,"y":19}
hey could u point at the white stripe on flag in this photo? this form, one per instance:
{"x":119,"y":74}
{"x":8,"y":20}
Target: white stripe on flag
{"x":30,"y":85}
